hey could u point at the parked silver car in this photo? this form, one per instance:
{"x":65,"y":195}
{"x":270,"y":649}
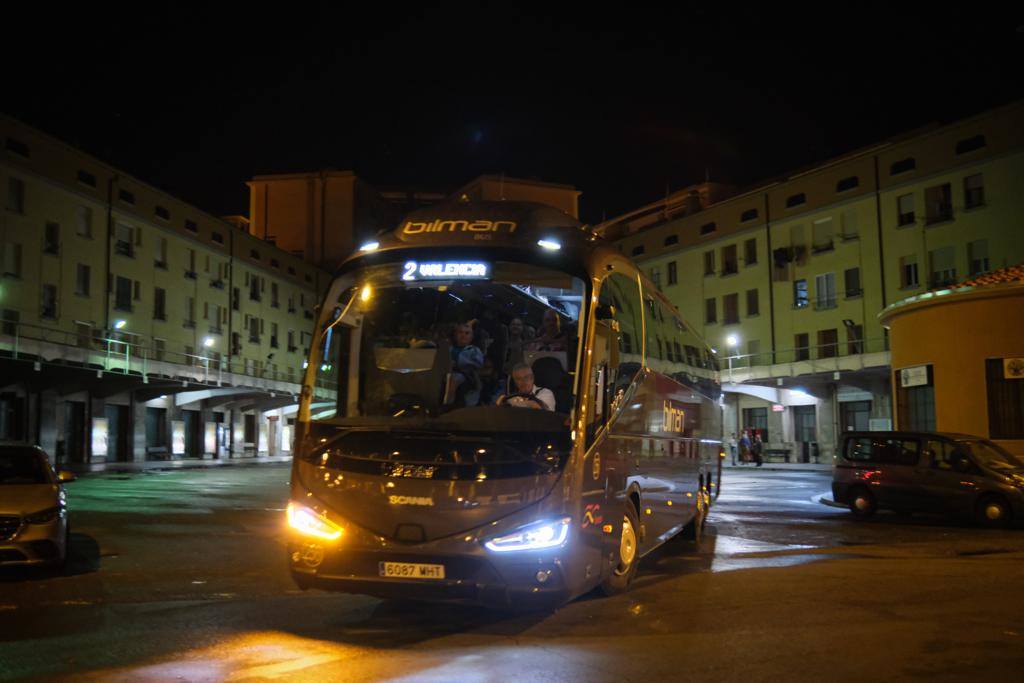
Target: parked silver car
{"x":34,"y":525}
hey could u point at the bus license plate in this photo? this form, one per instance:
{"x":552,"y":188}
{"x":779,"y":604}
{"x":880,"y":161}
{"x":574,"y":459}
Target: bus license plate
{"x":408,"y":570}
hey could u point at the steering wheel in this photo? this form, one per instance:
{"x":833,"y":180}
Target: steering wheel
{"x":528,"y":397}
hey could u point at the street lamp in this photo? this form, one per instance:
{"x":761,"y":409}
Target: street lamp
{"x":119,"y":324}
{"x":208,"y":342}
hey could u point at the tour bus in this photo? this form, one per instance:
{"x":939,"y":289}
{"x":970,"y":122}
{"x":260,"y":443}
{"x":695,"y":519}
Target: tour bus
{"x":520,"y":415}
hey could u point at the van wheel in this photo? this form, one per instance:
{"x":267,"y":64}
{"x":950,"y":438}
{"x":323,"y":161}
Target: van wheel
{"x":628,"y":556}
{"x":992,"y":511}
{"x":862,"y":503}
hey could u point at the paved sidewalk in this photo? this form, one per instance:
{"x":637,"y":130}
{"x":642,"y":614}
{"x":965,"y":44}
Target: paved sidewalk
{"x":780,"y":466}
{"x":172,"y":465}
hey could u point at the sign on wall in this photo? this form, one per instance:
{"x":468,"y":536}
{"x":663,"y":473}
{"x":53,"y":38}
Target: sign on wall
{"x":100,"y":434}
{"x":177,"y":437}
{"x":1013,"y":368}
{"x":914,"y":377}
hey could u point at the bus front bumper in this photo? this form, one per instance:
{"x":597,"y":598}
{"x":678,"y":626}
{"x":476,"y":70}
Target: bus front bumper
{"x":532,"y":581}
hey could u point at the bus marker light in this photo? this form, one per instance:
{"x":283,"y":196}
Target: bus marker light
{"x":608,"y":528}
{"x":550,"y":245}
{"x":370,"y":246}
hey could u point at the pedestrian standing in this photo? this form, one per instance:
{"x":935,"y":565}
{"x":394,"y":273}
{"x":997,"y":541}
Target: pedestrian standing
{"x":756,"y":447}
{"x":744,"y":447}
{"x":732,"y":447}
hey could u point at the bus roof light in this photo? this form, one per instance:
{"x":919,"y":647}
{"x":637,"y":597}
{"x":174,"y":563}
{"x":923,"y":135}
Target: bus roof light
{"x":550,"y":245}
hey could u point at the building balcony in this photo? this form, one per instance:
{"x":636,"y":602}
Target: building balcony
{"x":806,"y":360}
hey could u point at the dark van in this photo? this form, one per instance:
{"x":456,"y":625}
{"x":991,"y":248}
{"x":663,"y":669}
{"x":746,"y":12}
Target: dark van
{"x":927,"y":472}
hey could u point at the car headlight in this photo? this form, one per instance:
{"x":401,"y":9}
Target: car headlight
{"x":43,"y":517}
{"x":535,"y":536}
{"x":309,"y":523}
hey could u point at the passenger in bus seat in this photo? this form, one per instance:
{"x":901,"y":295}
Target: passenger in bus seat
{"x":552,"y":336}
{"x":467,"y":360}
{"x":519,"y":335}
{"x":522,"y":377}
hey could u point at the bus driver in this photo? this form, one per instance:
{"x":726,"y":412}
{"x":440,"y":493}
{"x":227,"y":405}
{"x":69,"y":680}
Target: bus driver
{"x":527,"y":394}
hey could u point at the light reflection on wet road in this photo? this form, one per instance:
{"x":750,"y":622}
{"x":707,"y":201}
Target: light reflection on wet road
{"x":181,"y":577}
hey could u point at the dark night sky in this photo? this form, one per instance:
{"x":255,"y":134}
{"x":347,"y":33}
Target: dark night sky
{"x":617,"y":105}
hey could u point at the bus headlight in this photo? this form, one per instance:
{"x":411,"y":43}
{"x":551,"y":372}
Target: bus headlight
{"x":536,"y":536}
{"x":309,"y":523}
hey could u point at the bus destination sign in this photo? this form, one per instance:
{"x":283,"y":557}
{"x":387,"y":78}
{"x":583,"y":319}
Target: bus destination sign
{"x":446,"y":270}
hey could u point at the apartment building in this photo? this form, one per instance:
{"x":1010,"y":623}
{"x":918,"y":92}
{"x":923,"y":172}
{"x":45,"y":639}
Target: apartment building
{"x":134,"y":324}
{"x":786,"y":280}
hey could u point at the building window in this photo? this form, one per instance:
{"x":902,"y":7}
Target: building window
{"x":10,"y":321}
{"x":190,"y":312}
{"x":161,"y":254}
{"x":671,"y":239}
{"x":292,"y":348}
{"x":731,"y":308}
{"x":796,"y":200}
{"x":849,"y":225}
{"x":753,"y":303}
{"x":83,"y":221}
{"x":51,"y":238}
{"x":825,"y":291}
{"x":908,"y":272}
{"x":756,"y":419}
{"x":943,"y":267}
{"x":730,"y":265}
{"x":970,"y":144}
{"x":915,"y":402}
{"x":638,"y":250}
{"x":851,"y":277}
{"x":707,"y":228}
{"x":18,"y":147}
{"x":217,"y":237}
{"x":802,"y":343}
{"x":710,"y":311}
{"x":159,"y":304}
{"x":938,"y":204}
{"x":748,"y":215}
{"x":754,"y":351}
{"x":656,"y":277}
{"x":86,"y":178}
{"x":1005,"y":398}
{"x":49,"y":303}
{"x":123,"y":244}
{"x":138,"y":290}
{"x":82,"y":279}
{"x":905,"y":209}
{"x":847,"y":184}
{"x":974,"y":191}
{"x":126,"y":196}
{"x":11,"y":260}
{"x":123,"y":294}
{"x":16,"y":195}
{"x":855,"y":339}
{"x":750,"y":252}
{"x":822,"y":236}
{"x":977,"y":256}
{"x":672,"y":273}
{"x":828,"y":343}
{"x":163,"y":213}
{"x":273,"y":335}
{"x":854,"y":416}
{"x":255,"y":287}
{"x":236,"y":299}
{"x":903,"y":166}
{"x":709,"y":263}
{"x":800,"y":297}
{"x":190,"y":264}
{"x":191,"y":226}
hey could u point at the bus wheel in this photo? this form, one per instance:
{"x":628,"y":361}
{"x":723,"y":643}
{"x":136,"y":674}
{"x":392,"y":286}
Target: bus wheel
{"x":628,"y":556}
{"x":694,"y":531}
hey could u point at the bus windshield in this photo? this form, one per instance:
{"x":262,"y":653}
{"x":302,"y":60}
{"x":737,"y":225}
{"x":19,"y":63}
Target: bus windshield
{"x":468,"y":346}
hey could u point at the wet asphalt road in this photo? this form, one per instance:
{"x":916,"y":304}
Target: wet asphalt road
{"x":181,"y":576}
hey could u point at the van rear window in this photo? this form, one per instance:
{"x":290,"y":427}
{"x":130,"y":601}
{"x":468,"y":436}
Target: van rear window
{"x":883,"y":451}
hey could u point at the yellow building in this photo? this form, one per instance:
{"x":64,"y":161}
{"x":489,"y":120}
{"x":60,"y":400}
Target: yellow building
{"x":135,"y":316}
{"x":958,"y":358}
{"x":786,"y":279}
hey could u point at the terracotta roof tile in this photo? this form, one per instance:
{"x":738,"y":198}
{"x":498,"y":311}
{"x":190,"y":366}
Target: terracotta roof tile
{"x":1011,"y":274}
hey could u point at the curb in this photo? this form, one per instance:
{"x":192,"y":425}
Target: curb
{"x":172,"y":466}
